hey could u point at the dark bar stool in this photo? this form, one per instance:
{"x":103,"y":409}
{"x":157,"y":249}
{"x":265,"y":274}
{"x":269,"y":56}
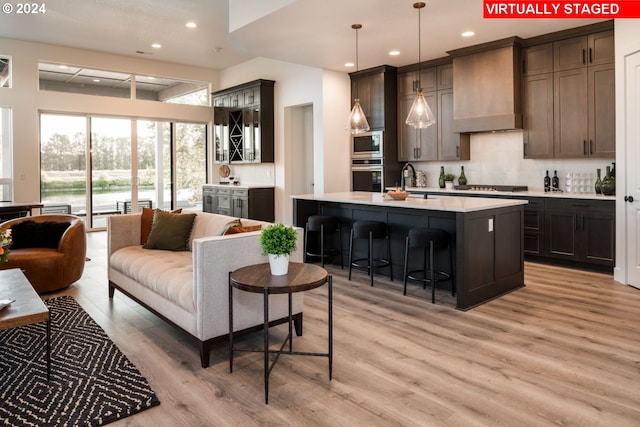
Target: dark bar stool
{"x":323,"y":225}
{"x":370,"y":230}
{"x":429,"y":239}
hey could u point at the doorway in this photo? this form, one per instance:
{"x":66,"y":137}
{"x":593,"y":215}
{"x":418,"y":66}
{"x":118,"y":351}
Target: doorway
{"x":302,"y":167}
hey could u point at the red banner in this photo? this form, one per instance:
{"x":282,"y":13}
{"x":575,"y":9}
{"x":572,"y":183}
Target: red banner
{"x":562,"y":9}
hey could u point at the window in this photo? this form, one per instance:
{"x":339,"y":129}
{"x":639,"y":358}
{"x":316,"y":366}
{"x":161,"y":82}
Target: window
{"x":88,"y":81}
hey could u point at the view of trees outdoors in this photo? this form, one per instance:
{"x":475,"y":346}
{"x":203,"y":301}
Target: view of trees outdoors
{"x":64,"y":170}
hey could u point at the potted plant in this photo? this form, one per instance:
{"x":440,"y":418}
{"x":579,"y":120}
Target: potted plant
{"x":278,"y":241}
{"x":448,"y":180}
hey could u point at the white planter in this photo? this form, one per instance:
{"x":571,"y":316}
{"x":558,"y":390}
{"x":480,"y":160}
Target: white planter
{"x":448,"y":185}
{"x":279,"y":264}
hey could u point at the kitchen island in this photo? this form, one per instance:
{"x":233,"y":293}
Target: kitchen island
{"x":487,"y":234}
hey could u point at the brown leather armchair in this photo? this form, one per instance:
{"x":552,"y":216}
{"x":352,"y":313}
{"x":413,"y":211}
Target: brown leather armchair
{"x":50,"y":269}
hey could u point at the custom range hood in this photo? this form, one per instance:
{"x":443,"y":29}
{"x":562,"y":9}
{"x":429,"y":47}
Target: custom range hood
{"x":486,"y":87}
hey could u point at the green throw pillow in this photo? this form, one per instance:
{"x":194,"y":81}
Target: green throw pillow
{"x":170,"y":231}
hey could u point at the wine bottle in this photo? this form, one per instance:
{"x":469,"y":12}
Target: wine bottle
{"x":547,"y":182}
{"x":555,"y":181}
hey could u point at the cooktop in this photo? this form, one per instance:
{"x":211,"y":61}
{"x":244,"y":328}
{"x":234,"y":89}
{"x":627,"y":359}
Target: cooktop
{"x":479,"y":187}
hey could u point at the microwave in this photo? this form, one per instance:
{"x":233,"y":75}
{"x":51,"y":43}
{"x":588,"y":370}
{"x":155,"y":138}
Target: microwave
{"x":367,"y":145}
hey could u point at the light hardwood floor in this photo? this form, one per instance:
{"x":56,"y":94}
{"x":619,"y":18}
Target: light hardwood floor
{"x":564,"y":350}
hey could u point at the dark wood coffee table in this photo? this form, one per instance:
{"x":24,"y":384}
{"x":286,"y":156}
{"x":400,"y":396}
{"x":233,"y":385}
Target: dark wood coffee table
{"x":27,"y":308}
{"x":258,"y":279}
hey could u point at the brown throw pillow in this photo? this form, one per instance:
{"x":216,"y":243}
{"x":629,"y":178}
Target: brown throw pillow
{"x":170,"y":231}
{"x":242,"y":229}
{"x":146,"y":221}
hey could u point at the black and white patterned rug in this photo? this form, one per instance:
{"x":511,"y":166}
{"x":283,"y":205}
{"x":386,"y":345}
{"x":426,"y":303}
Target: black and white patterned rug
{"x":92,"y":382}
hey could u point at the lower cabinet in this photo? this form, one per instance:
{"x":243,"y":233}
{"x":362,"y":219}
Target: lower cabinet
{"x":581,"y":231}
{"x":534,"y":227}
{"x":566,"y":231}
{"x":251,"y":203}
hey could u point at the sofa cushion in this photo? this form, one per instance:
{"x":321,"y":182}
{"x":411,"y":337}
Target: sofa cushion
{"x":31,"y":234}
{"x":209,"y":224}
{"x":240,"y":228}
{"x":147,"y":220}
{"x":170,"y":231}
{"x":167,"y":273}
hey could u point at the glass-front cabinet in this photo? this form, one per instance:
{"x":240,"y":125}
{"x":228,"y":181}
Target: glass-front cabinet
{"x":243,"y":123}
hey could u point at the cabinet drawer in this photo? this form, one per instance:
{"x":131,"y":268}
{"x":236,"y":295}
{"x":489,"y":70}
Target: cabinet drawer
{"x":581,"y":205}
{"x":237,"y":192}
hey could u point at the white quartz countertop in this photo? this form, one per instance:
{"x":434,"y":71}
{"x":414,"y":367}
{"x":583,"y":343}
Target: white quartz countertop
{"x":559,"y":194}
{"x":241,"y":186}
{"x":439,"y":203}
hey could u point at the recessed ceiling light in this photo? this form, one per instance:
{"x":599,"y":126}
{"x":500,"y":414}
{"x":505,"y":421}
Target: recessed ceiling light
{"x":394,"y":53}
{"x":191,"y":24}
{"x":468,"y":34}
{"x":156,"y":45}
{"x":349,"y":64}
{"x":96,"y":80}
{"x":64,"y":67}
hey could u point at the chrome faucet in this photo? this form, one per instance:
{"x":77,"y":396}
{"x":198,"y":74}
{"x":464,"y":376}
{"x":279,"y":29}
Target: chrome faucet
{"x":402,"y":175}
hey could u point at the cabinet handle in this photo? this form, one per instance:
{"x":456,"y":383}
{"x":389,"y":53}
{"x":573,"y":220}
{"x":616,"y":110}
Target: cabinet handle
{"x":584,"y":59}
{"x":590,"y":146}
{"x":584,"y":147}
{"x":628,"y":199}
{"x":524,"y":149}
{"x":590,"y":56}
{"x":457,"y":151}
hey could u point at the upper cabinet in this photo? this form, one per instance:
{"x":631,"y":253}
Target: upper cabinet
{"x":243,"y":125}
{"x":439,"y":141}
{"x":376,"y":89}
{"x":568,"y":97}
{"x":486,"y":81}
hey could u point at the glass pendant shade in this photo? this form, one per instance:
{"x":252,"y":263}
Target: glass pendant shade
{"x":357,"y":121}
{"x":420,"y":115}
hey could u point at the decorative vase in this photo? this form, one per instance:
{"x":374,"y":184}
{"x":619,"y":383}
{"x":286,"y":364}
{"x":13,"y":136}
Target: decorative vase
{"x":462,"y":179}
{"x":598,"y":184}
{"x":608,"y":186}
{"x":441,"y":178}
{"x":279,"y":264}
{"x":421,"y":179}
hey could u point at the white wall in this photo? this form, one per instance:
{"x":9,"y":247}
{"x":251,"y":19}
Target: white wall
{"x":26,"y":101}
{"x":328,"y":92}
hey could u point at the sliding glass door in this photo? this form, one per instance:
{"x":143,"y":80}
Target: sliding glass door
{"x":131,"y":164}
{"x":110,"y":168}
{"x":63,"y":166}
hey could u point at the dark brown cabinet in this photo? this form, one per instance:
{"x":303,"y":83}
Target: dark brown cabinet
{"x":439,"y":141}
{"x":534,"y":227}
{"x":568,"y":98}
{"x":243,"y":125}
{"x":376,"y":89}
{"x":580,"y":230}
{"x":584,"y":117}
{"x":252,"y":203}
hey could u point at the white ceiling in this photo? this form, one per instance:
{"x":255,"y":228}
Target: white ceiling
{"x":310,"y":32}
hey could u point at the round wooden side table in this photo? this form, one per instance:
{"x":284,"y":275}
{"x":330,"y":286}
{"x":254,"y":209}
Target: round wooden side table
{"x":258,"y":279}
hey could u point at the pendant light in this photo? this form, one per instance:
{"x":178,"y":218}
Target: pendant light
{"x":420,"y":115}
{"x":357,"y":121}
